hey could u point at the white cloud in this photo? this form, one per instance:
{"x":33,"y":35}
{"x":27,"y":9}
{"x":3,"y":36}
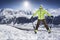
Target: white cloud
{"x":54,"y":12}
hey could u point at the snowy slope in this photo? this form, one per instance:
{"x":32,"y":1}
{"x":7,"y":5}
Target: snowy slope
{"x":11,"y":33}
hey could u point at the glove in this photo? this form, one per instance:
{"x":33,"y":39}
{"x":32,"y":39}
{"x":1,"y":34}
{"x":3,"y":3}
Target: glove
{"x":51,"y":16}
{"x":32,"y":17}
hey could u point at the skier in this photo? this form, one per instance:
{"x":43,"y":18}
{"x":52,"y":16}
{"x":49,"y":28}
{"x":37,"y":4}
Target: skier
{"x":41,"y":12}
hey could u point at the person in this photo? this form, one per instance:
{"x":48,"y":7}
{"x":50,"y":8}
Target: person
{"x":41,"y":17}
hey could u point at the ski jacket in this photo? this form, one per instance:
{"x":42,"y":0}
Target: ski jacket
{"x":41,"y":14}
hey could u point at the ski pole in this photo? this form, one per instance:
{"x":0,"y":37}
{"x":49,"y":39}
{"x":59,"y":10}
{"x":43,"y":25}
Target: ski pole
{"x":32,"y":24}
{"x":52,"y":21}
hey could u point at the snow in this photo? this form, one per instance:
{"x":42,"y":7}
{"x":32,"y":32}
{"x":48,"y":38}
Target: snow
{"x":10,"y":13}
{"x":54,"y":12}
{"x":19,"y":13}
{"x":10,"y":33}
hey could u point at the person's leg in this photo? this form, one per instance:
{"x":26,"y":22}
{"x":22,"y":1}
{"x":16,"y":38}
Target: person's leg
{"x":36,"y":29}
{"x":38,"y":22}
{"x":45,"y":24}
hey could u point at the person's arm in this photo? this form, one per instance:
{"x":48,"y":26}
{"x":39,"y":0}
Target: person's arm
{"x":46,"y":12}
{"x":51,"y":16}
{"x":35,"y":13}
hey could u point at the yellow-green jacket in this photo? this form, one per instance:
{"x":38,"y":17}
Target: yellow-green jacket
{"x":41,"y":14}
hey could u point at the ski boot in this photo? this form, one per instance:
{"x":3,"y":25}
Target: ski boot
{"x":35,"y":31}
{"x":49,"y":31}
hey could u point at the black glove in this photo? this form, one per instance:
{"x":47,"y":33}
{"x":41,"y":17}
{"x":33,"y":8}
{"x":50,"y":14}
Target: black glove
{"x":51,"y":16}
{"x":32,"y":17}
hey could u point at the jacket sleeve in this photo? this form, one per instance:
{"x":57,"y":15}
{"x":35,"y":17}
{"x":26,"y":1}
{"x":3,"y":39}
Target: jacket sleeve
{"x":46,"y":12}
{"x":35,"y":13}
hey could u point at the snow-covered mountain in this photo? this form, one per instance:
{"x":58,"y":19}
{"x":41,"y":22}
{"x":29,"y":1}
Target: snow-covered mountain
{"x":8,"y":15}
{"x":11,"y":14}
{"x":54,"y":12}
{"x":8,"y":12}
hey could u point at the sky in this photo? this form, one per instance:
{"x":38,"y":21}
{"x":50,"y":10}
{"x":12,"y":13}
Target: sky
{"x":29,"y":4}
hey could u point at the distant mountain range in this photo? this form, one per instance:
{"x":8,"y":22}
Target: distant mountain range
{"x":20,"y":16}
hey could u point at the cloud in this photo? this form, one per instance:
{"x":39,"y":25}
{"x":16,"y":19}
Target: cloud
{"x":54,"y":12}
